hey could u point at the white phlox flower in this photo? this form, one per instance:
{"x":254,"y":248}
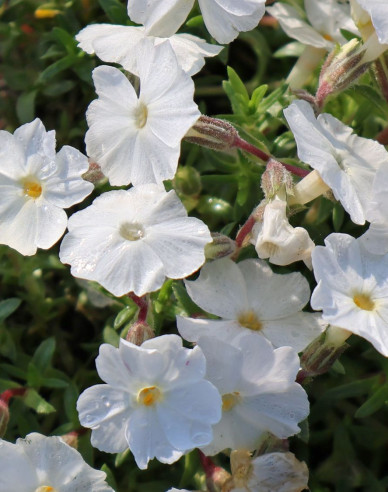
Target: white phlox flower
{"x":272,"y":472}
{"x":346,"y":162}
{"x":46,"y":464}
{"x":375,"y":238}
{"x":326,"y":18}
{"x":258,"y":390}
{"x":248,"y":296}
{"x":275,"y":238}
{"x":36,"y":184}
{"x":136,"y":138}
{"x":224,"y":19}
{"x":352,"y":288}
{"x":129,"y":241}
{"x":372,"y":15}
{"x":118,"y":44}
{"x":156,"y":400}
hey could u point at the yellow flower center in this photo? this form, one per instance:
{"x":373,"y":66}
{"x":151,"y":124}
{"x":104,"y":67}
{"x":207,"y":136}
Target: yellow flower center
{"x":131,"y":232}
{"x":327,"y":37}
{"x":45,"y":488}
{"x":32,"y":188}
{"x":141,"y":115}
{"x":229,"y":400}
{"x":149,"y":396}
{"x":248,"y":319}
{"x":364,"y":301}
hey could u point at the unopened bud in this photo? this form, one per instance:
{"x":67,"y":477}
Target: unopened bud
{"x":188,"y":181}
{"x":342,"y":68}
{"x":220,"y":247}
{"x":322,"y":352}
{"x":71,"y":438}
{"x":276,"y":178}
{"x":139,"y":332}
{"x":4,"y":417}
{"x":212,"y":133}
{"x":94,"y":173}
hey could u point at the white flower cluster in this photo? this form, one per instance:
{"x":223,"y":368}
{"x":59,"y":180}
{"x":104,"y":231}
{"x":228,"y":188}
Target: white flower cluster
{"x":160,"y":399}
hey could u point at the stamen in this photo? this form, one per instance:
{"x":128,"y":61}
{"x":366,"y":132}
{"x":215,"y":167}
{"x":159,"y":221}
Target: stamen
{"x":141,"y":115}
{"x":229,"y":400}
{"x":364,"y":301}
{"x":248,"y":319}
{"x":32,"y":188}
{"x":149,"y":396}
{"x":131,"y":231}
{"x":45,"y":488}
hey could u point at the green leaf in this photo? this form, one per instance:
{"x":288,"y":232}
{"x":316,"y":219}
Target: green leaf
{"x":374,"y":403}
{"x":57,"y":67}
{"x":8,"y":306}
{"x":54,"y":383}
{"x":110,"y":336}
{"x":291,"y":49}
{"x":110,"y":479}
{"x":338,"y":217}
{"x":184,"y":301}
{"x":43,"y":354}
{"x":257,"y":96}
{"x":121,"y":457}
{"x":33,"y":400}
{"x":65,"y":39}
{"x":25,"y":106}
{"x":7,"y":345}
{"x":6,"y":384}
{"x":124,"y":316}
{"x":115,"y":10}
{"x":236,"y":92}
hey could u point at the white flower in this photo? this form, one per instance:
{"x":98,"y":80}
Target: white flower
{"x":156,"y":400}
{"x":36,"y":184}
{"x":224,"y":19}
{"x":352,"y":288}
{"x":136,"y":139}
{"x":129,"y":241}
{"x":119,"y":44}
{"x":249,"y":296}
{"x":378,"y":12}
{"x":327,"y":18}
{"x":258,"y":390}
{"x":42,"y":464}
{"x":346,"y":162}
{"x":276,"y":239}
{"x":272,"y":472}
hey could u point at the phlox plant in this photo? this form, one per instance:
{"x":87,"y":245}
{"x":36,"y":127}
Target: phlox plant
{"x":193,"y":245}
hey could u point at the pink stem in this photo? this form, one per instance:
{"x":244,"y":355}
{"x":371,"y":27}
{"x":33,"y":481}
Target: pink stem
{"x":244,"y":145}
{"x":244,"y":231}
{"x":142,"y":304}
{"x":8,"y":394}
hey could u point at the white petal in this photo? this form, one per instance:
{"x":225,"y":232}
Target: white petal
{"x":224,"y":19}
{"x":378,"y":10}
{"x":16,"y":469}
{"x":220,"y":289}
{"x":105,"y":410}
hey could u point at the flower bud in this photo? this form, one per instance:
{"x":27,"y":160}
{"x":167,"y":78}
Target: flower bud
{"x":322,"y":352}
{"x":188,"y":181}
{"x":139,"y":332}
{"x":342,"y":68}
{"x":276,"y":178}
{"x":212,"y":133}
{"x":94,"y":173}
{"x":71,"y":438}
{"x":220,"y":247}
{"x":4,"y":417}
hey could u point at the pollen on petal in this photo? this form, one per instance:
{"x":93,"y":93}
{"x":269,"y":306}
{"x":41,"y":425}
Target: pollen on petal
{"x":364,"y":301}
{"x":149,"y":396}
{"x":248,"y":319}
{"x":229,"y":400}
{"x":45,"y":488}
{"x":32,"y":188}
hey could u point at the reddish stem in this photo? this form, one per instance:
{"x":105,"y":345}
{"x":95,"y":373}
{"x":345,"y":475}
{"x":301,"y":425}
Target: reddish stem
{"x":207,"y":464}
{"x":382,"y":137}
{"x":244,"y":231}
{"x":8,"y":394}
{"x":142,"y":304}
{"x":244,"y":145}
